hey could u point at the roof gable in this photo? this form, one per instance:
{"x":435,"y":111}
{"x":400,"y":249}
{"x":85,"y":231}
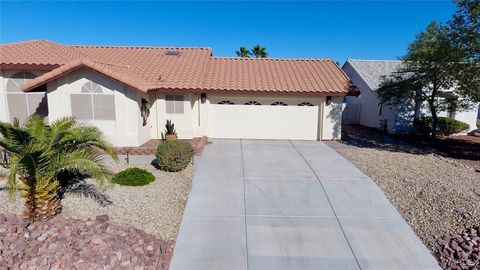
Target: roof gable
{"x":372,"y":71}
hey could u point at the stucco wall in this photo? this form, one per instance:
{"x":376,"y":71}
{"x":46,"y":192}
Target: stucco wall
{"x":125,"y":130}
{"x":369,"y":109}
{"x":470,"y":117}
{"x":184,"y":123}
{"x":332,"y":119}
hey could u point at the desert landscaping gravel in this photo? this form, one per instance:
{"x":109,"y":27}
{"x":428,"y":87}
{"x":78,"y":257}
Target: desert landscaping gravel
{"x":62,"y":243}
{"x":436,"y":196}
{"x":156,"y":208}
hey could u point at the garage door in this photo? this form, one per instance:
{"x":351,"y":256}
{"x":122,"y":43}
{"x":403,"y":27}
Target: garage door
{"x":263,"y":118}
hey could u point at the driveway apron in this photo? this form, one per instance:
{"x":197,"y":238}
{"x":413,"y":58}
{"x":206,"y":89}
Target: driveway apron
{"x":272,"y":204}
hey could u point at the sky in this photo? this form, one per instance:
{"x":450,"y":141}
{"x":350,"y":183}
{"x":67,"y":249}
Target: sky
{"x":315,"y":29}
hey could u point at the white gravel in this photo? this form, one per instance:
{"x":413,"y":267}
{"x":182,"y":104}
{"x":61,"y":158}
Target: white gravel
{"x":156,"y":208}
{"x":435,"y":196}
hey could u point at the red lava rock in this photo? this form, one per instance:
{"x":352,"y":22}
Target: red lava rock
{"x":460,"y":251}
{"x":62,"y":243}
{"x":103,"y":218}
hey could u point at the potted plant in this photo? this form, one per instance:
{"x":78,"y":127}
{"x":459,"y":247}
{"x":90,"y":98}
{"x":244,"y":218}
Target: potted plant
{"x":170,"y":133}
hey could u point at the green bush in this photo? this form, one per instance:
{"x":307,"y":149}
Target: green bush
{"x":174,"y":156}
{"x":133,"y":177}
{"x":446,"y":126}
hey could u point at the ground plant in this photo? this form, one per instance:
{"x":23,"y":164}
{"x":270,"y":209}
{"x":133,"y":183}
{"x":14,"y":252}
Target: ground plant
{"x":133,"y":177}
{"x":446,"y":126}
{"x":174,"y":156}
{"x":40,"y":153}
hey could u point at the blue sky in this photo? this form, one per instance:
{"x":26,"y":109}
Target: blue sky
{"x":337,"y":30}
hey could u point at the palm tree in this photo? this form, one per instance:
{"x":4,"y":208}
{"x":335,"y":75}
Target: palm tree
{"x":40,"y":154}
{"x":259,"y":51}
{"x":243,"y":52}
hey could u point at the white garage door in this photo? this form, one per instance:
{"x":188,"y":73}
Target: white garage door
{"x":285,"y":120}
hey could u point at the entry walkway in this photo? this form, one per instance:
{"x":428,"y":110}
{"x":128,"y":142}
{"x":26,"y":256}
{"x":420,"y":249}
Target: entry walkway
{"x":264,"y":204}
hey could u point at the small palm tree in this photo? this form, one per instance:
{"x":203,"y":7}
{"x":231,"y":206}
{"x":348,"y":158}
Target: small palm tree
{"x":243,"y":52}
{"x":259,"y":51}
{"x":39,"y":154}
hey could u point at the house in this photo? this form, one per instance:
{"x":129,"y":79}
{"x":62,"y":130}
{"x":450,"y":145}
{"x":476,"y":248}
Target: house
{"x":130,"y":92}
{"x":367,"y":110}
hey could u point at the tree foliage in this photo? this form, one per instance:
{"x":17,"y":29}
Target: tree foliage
{"x":441,"y":67}
{"x":464,"y":31}
{"x":259,"y":51}
{"x":243,"y":52}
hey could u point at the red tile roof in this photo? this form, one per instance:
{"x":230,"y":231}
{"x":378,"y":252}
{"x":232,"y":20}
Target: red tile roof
{"x":193,"y":69}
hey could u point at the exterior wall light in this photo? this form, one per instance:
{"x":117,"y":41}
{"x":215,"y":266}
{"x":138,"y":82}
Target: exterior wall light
{"x":328,"y":101}
{"x":203,"y":97}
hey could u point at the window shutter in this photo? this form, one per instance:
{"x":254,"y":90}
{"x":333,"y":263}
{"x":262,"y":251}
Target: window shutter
{"x":170,"y":104}
{"x":82,"y":106}
{"x":17,"y":106}
{"x":104,"y":107}
{"x":179,"y":104}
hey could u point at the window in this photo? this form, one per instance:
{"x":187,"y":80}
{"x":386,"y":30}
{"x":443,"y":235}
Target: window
{"x":174,"y":104}
{"x":93,"y":103}
{"x":252,"y":103}
{"x":305,"y":104}
{"x":20,"y":104}
{"x":279,"y":103}
{"x":226,"y":102}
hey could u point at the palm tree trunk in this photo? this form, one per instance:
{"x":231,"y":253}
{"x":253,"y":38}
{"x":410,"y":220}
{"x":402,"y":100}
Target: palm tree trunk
{"x":41,"y":202}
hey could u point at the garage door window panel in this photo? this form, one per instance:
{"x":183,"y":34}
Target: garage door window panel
{"x":226,"y":102}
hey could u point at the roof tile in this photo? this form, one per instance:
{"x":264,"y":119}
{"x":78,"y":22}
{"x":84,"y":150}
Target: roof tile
{"x":194,"y":69}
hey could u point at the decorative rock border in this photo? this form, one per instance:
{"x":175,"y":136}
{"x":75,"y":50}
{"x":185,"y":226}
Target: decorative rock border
{"x":62,"y":243}
{"x":460,"y":251}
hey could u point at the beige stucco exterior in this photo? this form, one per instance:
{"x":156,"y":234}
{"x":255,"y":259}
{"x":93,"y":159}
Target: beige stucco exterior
{"x":317,"y":122}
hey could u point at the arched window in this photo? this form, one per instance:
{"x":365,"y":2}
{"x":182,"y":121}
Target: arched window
{"x":226,"y":102}
{"x":91,"y":87}
{"x":279,"y":103}
{"x":252,"y":102}
{"x":305,"y":104}
{"x":19,"y":78}
{"x":93,"y":103}
{"x":20,"y":104}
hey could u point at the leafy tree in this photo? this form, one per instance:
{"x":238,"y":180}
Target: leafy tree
{"x":42,"y":155}
{"x":464,"y":31}
{"x":259,"y":51}
{"x":427,"y":74}
{"x":243,"y":52}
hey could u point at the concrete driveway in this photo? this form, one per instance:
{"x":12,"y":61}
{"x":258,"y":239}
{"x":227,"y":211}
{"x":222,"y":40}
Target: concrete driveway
{"x":263,"y":204}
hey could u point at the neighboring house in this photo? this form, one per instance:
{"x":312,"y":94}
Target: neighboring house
{"x":367,"y":110}
{"x":130,"y":92}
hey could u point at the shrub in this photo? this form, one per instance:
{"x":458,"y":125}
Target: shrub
{"x":446,"y":126}
{"x":174,"y":156}
{"x":133,"y":177}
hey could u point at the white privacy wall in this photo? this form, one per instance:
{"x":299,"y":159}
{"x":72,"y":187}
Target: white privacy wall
{"x":125,"y":130}
{"x":470,"y":117}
